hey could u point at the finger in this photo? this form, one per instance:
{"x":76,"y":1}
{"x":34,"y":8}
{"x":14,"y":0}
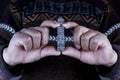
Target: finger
{"x":49,"y":51}
{"x":78,"y":31}
{"x":37,"y":54}
{"x":72,"y":52}
{"x":96,"y":42}
{"x":84,"y":56}
{"x":22,"y":40}
{"x":76,"y":37}
{"x":45,"y":35}
{"x":35,"y":35}
{"x":48,"y":23}
{"x":85,"y":38}
{"x":69,"y":25}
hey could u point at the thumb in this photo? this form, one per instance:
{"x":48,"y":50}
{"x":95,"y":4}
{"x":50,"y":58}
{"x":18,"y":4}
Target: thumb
{"x":72,"y":52}
{"x":84,"y":56}
{"x":49,"y":51}
{"x":69,"y":25}
{"x":48,"y":23}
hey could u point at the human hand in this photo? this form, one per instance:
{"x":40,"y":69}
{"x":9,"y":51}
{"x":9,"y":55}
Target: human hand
{"x":30,"y":45}
{"x":91,"y":47}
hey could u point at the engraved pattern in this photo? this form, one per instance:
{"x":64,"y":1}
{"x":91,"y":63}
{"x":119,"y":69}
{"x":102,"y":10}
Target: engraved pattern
{"x":60,"y":35}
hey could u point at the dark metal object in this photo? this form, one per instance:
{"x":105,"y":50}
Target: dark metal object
{"x":60,"y":35}
{"x":7,"y":28}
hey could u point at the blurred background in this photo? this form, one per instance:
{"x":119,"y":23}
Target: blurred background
{"x":116,"y":5}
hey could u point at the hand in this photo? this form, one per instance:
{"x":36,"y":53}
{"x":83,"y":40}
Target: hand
{"x":92,"y":47}
{"x":30,"y":45}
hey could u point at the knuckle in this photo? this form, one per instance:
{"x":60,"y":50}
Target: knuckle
{"x":45,"y":30}
{"x":17,"y":33}
{"x":94,"y":40}
{"x":84,"y":37}
{"x":24,"y":29}
{"x":76,"y":41}
{"x":27,"y":39}
{"x":92,"y":31}
{"x":36,"y":33}
{"x":78,"y":27}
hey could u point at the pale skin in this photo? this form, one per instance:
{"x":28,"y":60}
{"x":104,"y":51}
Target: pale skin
{"x":30,"y":45}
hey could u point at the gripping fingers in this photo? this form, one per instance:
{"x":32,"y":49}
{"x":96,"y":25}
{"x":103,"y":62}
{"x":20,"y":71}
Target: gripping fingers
{"x":78,"y":32}
{"x":85,"y":38}
{"x":45,"y":34}
{"x":22,"y":40}
{"x":35,"y":35}
{"x":96,"y":42}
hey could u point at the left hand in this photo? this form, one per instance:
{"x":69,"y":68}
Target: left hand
{"x":92,"y":47}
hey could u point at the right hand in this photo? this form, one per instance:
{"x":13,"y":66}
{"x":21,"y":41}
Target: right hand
{"x":30,"y":45}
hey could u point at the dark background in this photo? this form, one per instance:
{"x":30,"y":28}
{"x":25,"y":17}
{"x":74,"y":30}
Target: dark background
{"x":116,"y":5}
